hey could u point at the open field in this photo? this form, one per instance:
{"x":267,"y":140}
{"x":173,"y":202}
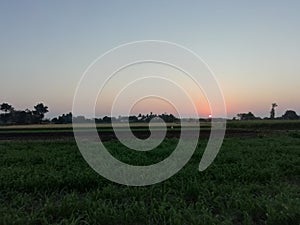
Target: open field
{"x":255,"y":179}
{"x":106,"y":133}
{"x":251,"y":124}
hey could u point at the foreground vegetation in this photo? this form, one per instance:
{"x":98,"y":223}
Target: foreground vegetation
{"x":252,"y":181}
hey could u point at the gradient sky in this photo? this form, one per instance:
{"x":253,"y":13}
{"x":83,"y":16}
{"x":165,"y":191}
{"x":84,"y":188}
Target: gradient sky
{"x":253,"y":47}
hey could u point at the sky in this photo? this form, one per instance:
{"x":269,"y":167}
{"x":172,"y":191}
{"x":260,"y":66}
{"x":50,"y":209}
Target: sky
{"x":253,"y":48}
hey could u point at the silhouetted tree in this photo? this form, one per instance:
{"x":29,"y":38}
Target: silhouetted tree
{"x":40,"y":111}
{"x":63,"y":119}
{"x":68,"y":118}
{"x":168,"y":118}
{"x":272,"y":113}
{"x":106,"y":119}
{"x":290,"y":115}
{"x":22,"y":117}
{"x":6,"y":108}
{"x":133,"y":119}
{"x":246,"y":116}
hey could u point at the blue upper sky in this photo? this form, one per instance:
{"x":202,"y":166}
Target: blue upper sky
{"x":252,"y":46}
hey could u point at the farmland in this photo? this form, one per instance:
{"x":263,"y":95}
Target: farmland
{"x":254,"y":179}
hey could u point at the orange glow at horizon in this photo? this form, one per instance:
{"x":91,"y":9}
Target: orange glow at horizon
{"x":160,"y":106}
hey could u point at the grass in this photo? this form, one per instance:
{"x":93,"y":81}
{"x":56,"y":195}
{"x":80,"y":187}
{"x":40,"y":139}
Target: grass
{"x":249,"y":124}
{"x":252,"y":181}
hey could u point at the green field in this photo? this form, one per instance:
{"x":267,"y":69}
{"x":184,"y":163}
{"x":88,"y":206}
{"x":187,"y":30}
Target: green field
{"x":253,"y":180}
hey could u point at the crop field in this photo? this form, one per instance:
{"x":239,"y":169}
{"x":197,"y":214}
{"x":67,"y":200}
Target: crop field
{"x":255,"y":179}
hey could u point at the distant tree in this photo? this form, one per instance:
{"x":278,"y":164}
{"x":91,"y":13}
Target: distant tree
{"x":63,"y":119}
{"x":68,"y":118}
{"x":143,"y":118}
{"x":98,"y":120}
{"x":168,"y":118}
{"x":21,"y":117}
{"x":246,"y":116}
{"x":80,"y":119}
{"x":6,"y":108}
{"x":133,"y":119}
{"x":40,"y":111}
{"x":106,"y":119}
{"x":54,"y":120}
{"x":272,"y":113}
{"x":290,"y":115}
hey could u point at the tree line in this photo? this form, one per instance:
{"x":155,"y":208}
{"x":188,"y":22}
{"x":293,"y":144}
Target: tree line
{"x":141,"y":118}
{"x":288,"y":115}
{"x":11,"y":116}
